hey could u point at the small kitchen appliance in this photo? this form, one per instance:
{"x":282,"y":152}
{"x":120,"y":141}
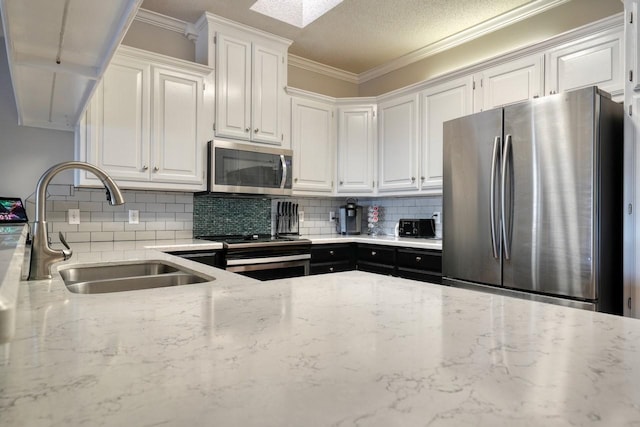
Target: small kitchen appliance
{"x":350,"y":219}
{"x":424,"y":228}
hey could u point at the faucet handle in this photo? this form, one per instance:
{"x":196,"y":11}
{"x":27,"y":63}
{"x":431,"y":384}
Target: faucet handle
{"x":65,"y":252}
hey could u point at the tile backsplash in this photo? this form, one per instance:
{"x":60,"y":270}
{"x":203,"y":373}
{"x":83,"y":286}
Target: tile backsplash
{"x":218,"y":215}
{"x":163,"y":215}
{"x":174,"y":215}
{"x":316,"y":212}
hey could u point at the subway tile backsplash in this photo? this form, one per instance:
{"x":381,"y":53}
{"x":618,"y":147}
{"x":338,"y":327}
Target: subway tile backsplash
{"x":169,"y":215}
{"x":316,"y":212}
{"x":162,"y":215}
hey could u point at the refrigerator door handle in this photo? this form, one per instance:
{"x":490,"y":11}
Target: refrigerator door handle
{"x":503,"y":186}
{"x":492,"y":196}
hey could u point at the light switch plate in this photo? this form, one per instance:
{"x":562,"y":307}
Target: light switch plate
{"x":134,"y":216}
{"x":74,"y":216}
{"x":301,"y":216}
{"x":332,"y":216}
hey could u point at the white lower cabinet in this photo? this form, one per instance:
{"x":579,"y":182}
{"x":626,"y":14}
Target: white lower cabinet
{"x":596,"y":60}
{"x":514,"y":81}
{"x":439,"y":104}
{"x":398,"y":144}
{"x":144,"y":124}
{"x":356,"y":148}
{"x":313,"y":142}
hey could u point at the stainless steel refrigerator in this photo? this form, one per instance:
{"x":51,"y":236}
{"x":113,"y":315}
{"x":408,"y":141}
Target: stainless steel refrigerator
{"x":532,"y":200}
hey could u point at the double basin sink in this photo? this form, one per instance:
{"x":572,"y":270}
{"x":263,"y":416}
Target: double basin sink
{"x":129,"y":276}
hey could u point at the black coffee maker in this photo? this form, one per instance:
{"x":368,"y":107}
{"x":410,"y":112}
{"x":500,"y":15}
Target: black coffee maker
{"x":350,"y":219}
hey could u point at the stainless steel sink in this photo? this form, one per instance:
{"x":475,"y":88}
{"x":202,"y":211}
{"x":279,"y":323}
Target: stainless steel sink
{"x":128,"y":276}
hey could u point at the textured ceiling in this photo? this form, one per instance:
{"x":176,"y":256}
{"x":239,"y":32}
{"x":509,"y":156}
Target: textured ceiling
{"x":358,"y":34}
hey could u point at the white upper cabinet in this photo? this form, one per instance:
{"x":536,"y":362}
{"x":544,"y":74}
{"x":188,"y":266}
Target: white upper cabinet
{"x":251,"y":76}
{"x":58,"y":52}
{"x":356,"y":148}
{"x":398,"y":144}
{"x":118,"y":132}
{"x":178,"y":141}
{"x":440,"y":103}
{"x":595,"y":60}
{"x":508,"y":83}
{"x":145,"y":124}
{"x":313,"y":143}
{"x":233,"y":88}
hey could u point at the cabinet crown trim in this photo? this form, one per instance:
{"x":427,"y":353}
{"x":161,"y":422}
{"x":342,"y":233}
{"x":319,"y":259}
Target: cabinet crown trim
{"x":216,"y":21}
{"x":140,"y":54}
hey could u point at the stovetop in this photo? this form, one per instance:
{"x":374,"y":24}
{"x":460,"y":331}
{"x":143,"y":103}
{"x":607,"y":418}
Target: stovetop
{"x":251,"y":240}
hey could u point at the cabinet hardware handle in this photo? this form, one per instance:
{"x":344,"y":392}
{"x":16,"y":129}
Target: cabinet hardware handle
{"x":373,"y":253}
{"x":331,"y":269}
{"x":331,"y":253}
{"x":341,"y":182}
{"x":145,"y":167}
{"x":413,"y":179}
{"x":422,"y":178}
{"x":295,"y":179}
{"x":156,"y":169}
{"x":256,"y":130}
{"x":418,"y":259}
{"x":246,"y":129}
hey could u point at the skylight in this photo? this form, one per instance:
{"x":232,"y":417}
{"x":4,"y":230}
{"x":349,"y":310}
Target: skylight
{"x":299,"y":13}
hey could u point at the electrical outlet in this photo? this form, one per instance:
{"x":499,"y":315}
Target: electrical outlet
{"x":74,"y":216}
{"x":437,"y":217}
{"x":301,"y":216}
{"x":332,"y":216}
{"x":134,"y":216}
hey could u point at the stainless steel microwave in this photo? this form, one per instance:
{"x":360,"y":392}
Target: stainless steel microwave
{"x":241,"y":168}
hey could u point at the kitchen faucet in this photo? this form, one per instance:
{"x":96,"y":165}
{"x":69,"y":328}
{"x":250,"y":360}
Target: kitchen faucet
{"x":42,"y":255}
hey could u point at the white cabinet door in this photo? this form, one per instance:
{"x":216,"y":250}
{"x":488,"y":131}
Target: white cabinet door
{"x":267,"y":95}
{"x":508,"y":83}
{"x":398,"y":144}
{"x":440,"y":103}
{"x":233,"y":87}
{"x":596,"y":61}
{"x":356,"y":149}
{"x":313,"y":141}
{"x":118,"y":123}
{"x":177,"y":105}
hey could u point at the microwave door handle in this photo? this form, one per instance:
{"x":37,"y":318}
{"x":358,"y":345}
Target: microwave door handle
{"x":284,"y":171}
{"x":503,"y":187}
{"x":492,"y":197}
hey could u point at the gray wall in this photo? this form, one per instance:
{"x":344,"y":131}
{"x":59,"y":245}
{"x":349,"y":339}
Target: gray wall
{"x":26,"y":152}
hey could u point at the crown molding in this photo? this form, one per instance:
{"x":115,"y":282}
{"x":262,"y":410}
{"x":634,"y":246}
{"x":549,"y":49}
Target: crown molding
{"x":327,"y":70}
{"x":475,"y":32}
{"x":167,"y":23}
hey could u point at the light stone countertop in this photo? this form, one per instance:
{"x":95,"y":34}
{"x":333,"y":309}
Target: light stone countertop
{"x":408,"y":242}
{"x":342,"y":349}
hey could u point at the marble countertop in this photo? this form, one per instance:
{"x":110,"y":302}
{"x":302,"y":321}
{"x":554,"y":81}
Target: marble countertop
{"x":341,"y":349}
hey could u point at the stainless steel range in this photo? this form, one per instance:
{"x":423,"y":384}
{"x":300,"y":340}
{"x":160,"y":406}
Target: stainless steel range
{"x":265,"y":257}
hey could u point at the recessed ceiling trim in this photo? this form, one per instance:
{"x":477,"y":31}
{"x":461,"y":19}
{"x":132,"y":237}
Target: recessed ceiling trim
{"x":327,"y":70}
{"x":475,"y":32}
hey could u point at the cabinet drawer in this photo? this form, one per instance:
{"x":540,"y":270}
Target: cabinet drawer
{"x":377,"y":254}
{"x":430,"y":261}
{"x":373,"y":267}
{"x":331,"y":267}
{"x":329,"y":253}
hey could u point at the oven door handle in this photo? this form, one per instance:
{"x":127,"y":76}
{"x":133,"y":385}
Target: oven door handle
{"x":267,"y":260}
{"x":283,"y":181}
